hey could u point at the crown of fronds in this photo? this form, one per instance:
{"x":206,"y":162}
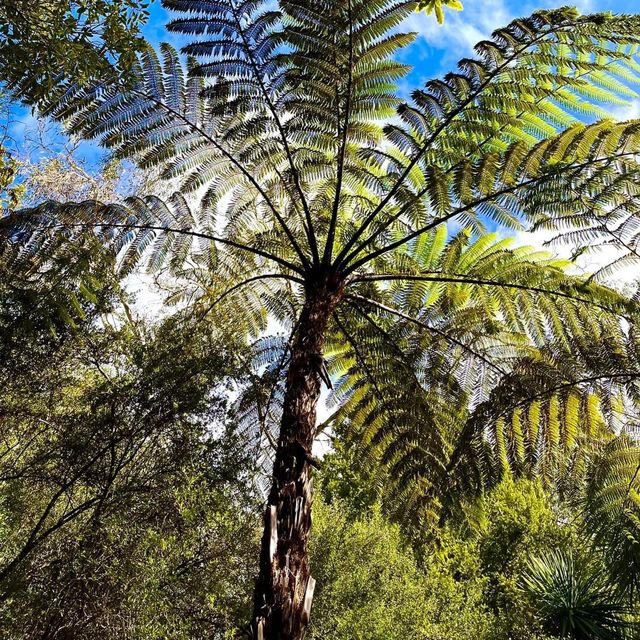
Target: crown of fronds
{"x":279,"y":114}
{"x":295,"y":159}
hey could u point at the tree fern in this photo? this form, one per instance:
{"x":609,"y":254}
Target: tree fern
{"x":318,"y":196}
{"x":481,"y":348}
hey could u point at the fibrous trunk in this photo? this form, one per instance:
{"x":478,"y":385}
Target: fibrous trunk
{"x":284,"y":589}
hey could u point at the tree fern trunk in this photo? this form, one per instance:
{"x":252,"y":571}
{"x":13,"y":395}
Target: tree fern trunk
{"x":284,"y":589}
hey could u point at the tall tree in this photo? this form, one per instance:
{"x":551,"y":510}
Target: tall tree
{"x":51,"y":41}
{"x":309,"y":207}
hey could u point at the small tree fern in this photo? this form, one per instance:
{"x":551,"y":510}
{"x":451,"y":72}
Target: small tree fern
{"x":611,"y":505}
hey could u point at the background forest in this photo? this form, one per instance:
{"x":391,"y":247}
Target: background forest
{"x":476,"y":458}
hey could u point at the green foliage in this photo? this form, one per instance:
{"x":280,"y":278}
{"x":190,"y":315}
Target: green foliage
{"x":179,"y":564}
{"x":461,"y":582}
{"x":574,"y":598}
{"x":51,"y":285}
{"x":46,"y":43}
{"x":514,"y":521}
{"x":438,"y":6}
{"x":611,"y":506}
{"x":459,"y":362}
{"x":10,"y":192}
{"x":455,"y":589}
{"x":127,"y":499}
{"x":368,"y":584}
{"x":345,"y":481}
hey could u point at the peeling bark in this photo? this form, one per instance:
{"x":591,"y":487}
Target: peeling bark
{"x":284,"y":588}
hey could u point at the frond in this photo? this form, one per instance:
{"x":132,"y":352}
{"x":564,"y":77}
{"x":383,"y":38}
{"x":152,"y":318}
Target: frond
{"x":611,"y":509}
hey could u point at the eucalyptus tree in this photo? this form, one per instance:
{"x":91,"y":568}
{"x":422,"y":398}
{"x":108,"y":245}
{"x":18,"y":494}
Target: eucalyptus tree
{"x":308,"y":188}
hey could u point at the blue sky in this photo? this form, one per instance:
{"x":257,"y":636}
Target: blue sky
{"x":438,"y":48}
{"x":435,"y":51}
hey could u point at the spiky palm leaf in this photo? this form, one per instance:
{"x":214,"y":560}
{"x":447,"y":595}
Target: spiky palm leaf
{"x":575,"y":599}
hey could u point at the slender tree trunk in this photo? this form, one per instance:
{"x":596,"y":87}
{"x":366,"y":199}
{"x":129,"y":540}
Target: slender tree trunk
{"x":284,"y":588}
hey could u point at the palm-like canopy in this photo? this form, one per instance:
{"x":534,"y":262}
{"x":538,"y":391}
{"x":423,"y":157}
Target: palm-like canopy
{"x":308,"y":190}
{"x":280,"y":116}
{"x":495,"y":362}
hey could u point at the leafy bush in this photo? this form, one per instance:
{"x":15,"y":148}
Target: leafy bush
{"x":370,"y":585}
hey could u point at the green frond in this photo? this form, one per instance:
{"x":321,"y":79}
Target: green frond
{"x":457,"y":358}
{"x":612,"y":511}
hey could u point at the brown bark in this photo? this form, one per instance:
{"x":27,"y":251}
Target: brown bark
{"x":284,"y":588}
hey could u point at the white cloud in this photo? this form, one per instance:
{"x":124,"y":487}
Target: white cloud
{"x":461,"y":30}
{"x":589,"y":262}
{"x":625,"y":112}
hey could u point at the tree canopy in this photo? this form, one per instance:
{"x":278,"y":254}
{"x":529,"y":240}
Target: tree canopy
{"x":43,"y":43}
